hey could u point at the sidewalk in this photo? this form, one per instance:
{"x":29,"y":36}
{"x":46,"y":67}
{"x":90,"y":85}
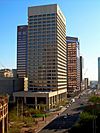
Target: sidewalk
{"x":41,"y":124}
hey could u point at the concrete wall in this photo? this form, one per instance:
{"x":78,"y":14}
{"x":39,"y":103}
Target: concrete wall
{"x":10,"y":85}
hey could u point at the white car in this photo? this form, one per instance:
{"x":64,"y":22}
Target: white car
{"x":67,"y":106}
{"x":73,"y":100}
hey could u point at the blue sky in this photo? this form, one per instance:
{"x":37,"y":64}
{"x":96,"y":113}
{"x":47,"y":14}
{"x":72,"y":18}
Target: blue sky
{"x":82,"y":21}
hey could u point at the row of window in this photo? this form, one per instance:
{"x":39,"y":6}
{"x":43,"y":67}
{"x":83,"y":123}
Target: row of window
{"x":46,"y":28}
{"x":42,"y":15}
{"x":42,"y":36}
{"x":41,"y":19}
{"x":45,"y":41}
{"x":22,"y":33}
{"x":43,"y":22}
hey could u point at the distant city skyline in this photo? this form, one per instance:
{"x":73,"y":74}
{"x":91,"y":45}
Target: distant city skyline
{"x":83,"y":21}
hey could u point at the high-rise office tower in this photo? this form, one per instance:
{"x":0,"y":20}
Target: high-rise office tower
{"x":81,"y":67}
{"x":98,"y":72}
{"x":81,"y":72}
{"x":46,"y":48}
{"x":47,"y":71}
{"x":73,"y":65}
{"x":22,"y":43}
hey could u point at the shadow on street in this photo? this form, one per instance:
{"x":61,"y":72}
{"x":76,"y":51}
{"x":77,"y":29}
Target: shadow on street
{"x":61,"y":122}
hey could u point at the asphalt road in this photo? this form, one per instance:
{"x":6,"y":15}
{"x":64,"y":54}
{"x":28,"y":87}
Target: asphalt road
{"x":68,"y":118}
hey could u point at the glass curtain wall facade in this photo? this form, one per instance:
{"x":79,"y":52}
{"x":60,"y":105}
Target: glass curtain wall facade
{"x":22,"y":43}
{"x":46,"y":48}
{"x":99,"y":70}
{"x":73,"y":65}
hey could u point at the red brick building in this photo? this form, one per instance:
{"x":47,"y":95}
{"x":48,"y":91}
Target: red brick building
{"x":73,"y":65}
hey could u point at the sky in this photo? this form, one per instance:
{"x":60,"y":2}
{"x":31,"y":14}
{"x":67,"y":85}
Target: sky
{"x":82,"y":21}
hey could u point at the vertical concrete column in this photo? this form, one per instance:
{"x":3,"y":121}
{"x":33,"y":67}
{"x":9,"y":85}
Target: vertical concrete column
{"x":57,"y":97}
{"x":35,"y":102}
{"x":51,"y":100}
{"x":54,"y":99}
{"x":14,"y":100}
{"x":25,"y":100}
{"x":60,"y":97}
{"x":47,"y":102}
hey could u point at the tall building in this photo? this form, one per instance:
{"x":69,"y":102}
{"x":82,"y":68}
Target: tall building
{"x":81,"y":67}
{"x":73,"y":65}
{"x":22,"y":44}
{"x":47,"y":71}
{"x":81,"y":73}
{"x":86,"y":83}
{"x":99,"y":72}
{"x":46,"y":48}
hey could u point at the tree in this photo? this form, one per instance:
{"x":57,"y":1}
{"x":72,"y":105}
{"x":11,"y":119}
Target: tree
{"x":95,"y":100}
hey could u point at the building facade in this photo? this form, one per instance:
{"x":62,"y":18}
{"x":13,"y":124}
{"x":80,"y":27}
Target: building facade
{"x":99,"y":70}
{"x":6,"y":73}
{"x":46,"y":48}
{"x":81,"y":73}
{"x":3,"y":114}
{"x":73,"y":65}
{"x":46,"y":68}
{"x":22,"y":44}
{"x":11,"y":85}
{"x":81,"y":69}
{"x":86,"y":83}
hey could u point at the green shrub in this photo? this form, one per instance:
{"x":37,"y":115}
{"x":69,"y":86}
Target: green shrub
{"x":39,"y":115}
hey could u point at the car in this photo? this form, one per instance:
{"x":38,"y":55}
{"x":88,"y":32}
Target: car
{"x":65,"y":116}
{"x":81,"y":104}
{"x":72,"y":100}
{"x":67,"y":106}
{"x":61,"y":107}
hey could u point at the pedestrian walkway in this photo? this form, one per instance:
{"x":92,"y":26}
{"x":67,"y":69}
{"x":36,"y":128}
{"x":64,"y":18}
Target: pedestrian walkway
{"x":42,"y":123}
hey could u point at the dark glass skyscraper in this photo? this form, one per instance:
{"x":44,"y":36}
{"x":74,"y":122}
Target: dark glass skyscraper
{"x":22,"y":44}
{"x":99,"y":70}
{"x":81,"y":68}
{"x":73,"y":65}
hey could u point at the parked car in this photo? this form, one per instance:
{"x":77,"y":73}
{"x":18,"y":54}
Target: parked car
{"x":72,"y":100}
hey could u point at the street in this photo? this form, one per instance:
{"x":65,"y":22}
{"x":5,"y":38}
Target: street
{"x":69,"y":117}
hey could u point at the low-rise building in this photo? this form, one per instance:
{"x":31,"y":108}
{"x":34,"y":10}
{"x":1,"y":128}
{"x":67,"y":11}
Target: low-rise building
{"x":10,"y":85}
{"x":49,"y":99}
{"x":6,"y":73}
